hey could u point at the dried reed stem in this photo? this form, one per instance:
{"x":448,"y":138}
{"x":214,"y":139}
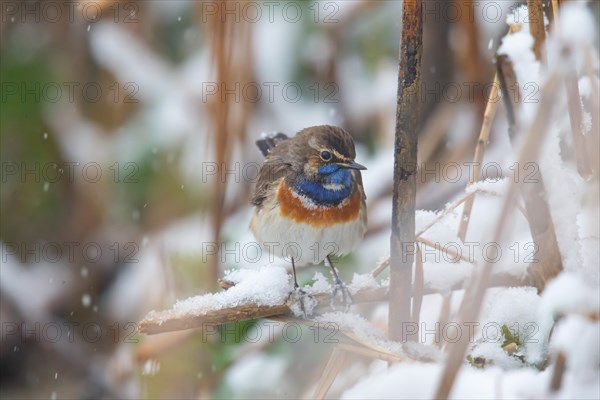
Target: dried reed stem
{"x":170,"y":320}
{"x":594,"y":104}
{"x":444,"y":315}
{"x":419,"y":285}
{"x":334,"y":366}
{"x":536,"y":26}
{"x":405,"y":165}
{"x":576,"y":119}
{"x":558,"y":372}
{"x":380,"y":267}
{"x":555,"y":14}
{"x":445,"y":249}
{"x":445,"y":212}
{"x":484,"y":135}
{"x":362,"y":351}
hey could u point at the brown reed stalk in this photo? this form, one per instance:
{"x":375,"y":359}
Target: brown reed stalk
{"x":560,"y":365}
{"x":575,"y":108}
{"x":576,"y":120}
{"x":170,"y":320}
{"x":537,"y":27}
{"x":445,"y":249}
{"x":405,"y":165}
{"x":469,"y":58}
{"x":230,"y":52}
{"x":594,"y":105}
{"x":484,"y":135}
{"x":555,"y":14}
{"x":334,"y":366}
{"x":444,"y":315}
{"x":417,"y":298}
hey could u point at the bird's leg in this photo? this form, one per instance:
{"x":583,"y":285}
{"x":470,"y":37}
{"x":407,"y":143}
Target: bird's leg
{"x":339,"y":286}
{"x":296,"y":286}
{"x":303,"y":296}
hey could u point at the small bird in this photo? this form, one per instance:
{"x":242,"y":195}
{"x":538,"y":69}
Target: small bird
{"x":309,"y":199}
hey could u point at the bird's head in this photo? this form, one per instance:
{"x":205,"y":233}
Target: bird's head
{"x":328,"y":153}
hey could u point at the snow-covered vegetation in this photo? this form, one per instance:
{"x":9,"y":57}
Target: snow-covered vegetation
{"x":128,"y":162}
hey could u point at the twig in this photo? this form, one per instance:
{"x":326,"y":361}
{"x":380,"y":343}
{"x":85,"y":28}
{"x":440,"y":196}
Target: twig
{"x":559,"y":370}
{"x":576,"y":113}
{"x":381,"y":267}
{"x":417,"y":300}
{"x":420,"y":239}
{"x":230,"y":44}
{"x":334,"y":365}
{"x":405,"y":165}
{"x":368,"y":346}
{"x":446,"y":249}
{"x":594,"y":104}
{"x":445,"y":212}
{"x":555,"y":15}
{"x":496,"y":194}
{"x":170,"y":320}
{"x":389,"y":357}
{"x":536,"y":26}
{"x":508,"y":81}
{"x":444,"y":315}
{"x":576,"y":120}
{"x":484,"y":135}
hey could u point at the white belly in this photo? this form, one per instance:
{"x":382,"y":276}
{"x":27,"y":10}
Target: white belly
{"x":286,"y":238}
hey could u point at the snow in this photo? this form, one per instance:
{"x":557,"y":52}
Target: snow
{"x":578,"y":337}
{"x":495,"y":185}
{"x":517,"y":47}
{"x":419,"y":381}
{"x":515,"y":308}
{"x":576,"y":24}
{"x":361,"y":282}
{"x":519,"y":15}
{"x":564,"y":191}
{"x":568,"y":293}
{"x":320,"y":284}
{"x":362,"y":328}
{"x":267,"y":286}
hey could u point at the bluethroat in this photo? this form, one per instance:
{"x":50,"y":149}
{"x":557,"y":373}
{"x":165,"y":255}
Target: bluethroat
{"x":309,"y":199}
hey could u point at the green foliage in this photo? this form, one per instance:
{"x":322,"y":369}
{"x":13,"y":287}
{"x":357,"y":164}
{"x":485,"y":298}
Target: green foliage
{"x":509,"y":337}
{"x":477,"y":362}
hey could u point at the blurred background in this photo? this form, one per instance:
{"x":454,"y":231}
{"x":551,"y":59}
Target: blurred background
{"x":127,"y":144}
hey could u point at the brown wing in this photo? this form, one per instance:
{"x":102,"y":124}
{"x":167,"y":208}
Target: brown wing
{"x":275,"y":167}
{"x":359,"y":183}
{"x":270,"y":174}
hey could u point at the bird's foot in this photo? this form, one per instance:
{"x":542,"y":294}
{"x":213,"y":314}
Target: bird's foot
{"x":341,"y":287}
{"x":302,"y":303}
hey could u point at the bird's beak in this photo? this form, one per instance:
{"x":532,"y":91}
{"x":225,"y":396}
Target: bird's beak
{"x":351,"y":165}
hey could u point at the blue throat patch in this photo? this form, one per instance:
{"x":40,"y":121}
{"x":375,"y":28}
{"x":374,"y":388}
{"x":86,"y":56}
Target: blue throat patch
{"x":328,"y":174}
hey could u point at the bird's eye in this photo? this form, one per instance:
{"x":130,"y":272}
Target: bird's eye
{"x":325,"y":155}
